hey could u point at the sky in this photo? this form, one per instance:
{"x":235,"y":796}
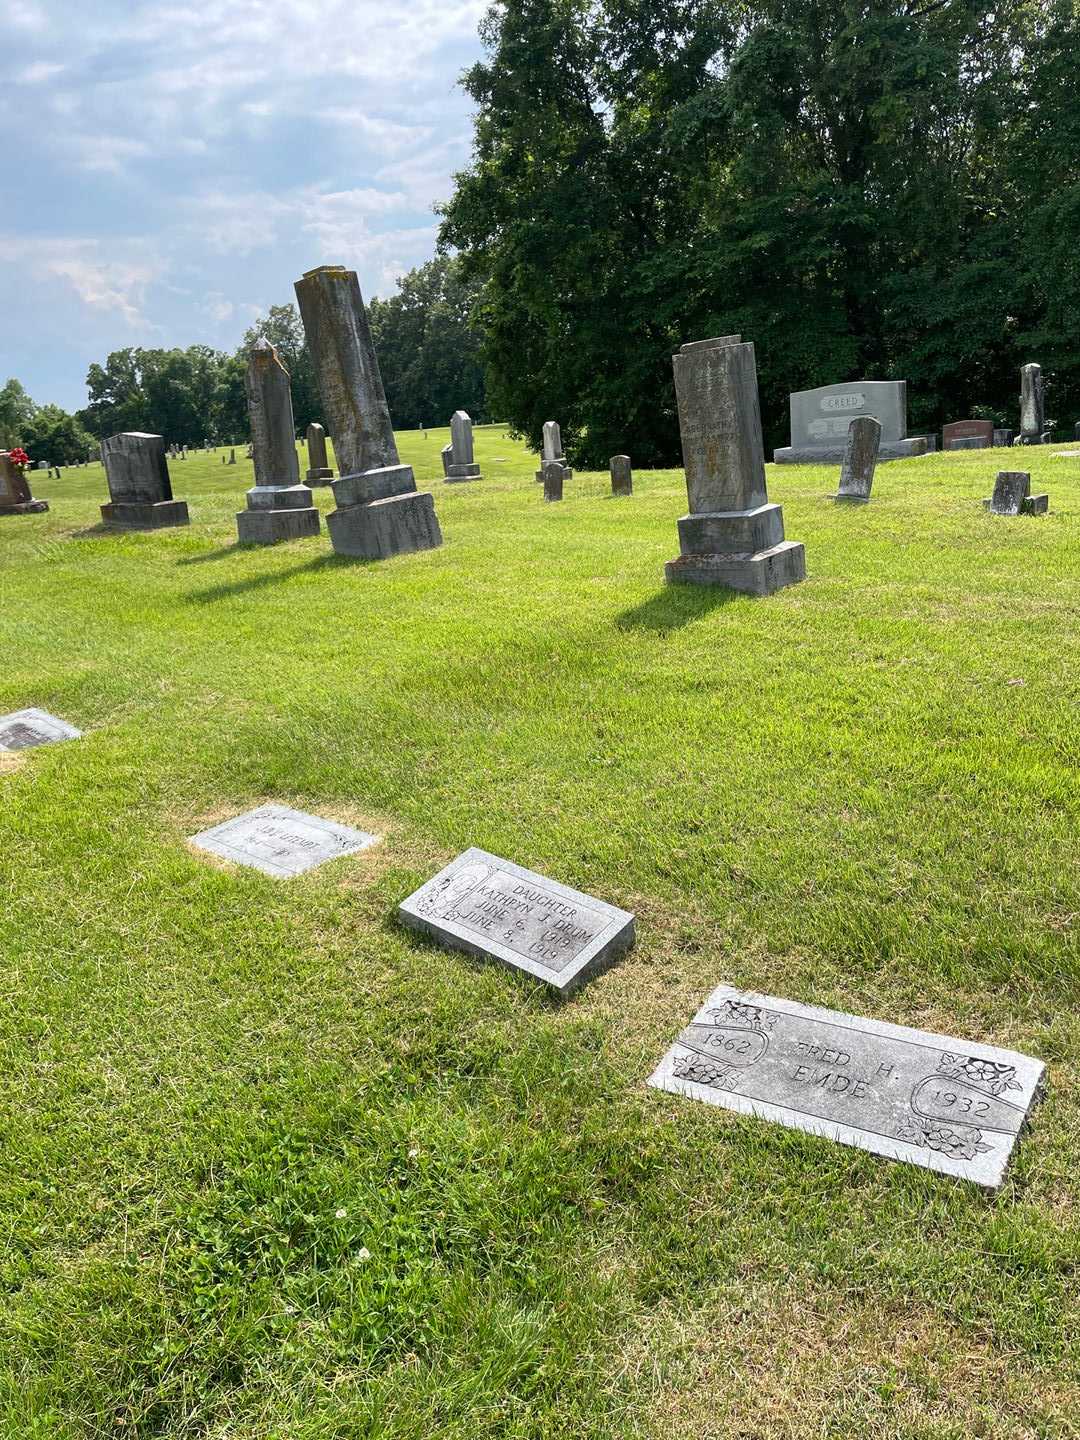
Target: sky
{"x":170,"y":169}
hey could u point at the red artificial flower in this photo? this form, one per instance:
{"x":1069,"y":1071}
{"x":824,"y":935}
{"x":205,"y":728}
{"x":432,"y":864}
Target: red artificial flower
{"x":18,"y":456}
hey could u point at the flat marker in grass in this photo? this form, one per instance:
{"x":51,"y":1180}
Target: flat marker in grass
{"x":24,"y":729}
{"x":955,"y":1106}
{"x":496,"y":909}
{"x":281,"y":842}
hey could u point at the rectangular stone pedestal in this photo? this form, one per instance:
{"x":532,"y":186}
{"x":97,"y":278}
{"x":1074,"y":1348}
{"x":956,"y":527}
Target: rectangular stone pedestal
{"x":139,"y":515}
{"x":397,"y":525}
{"x":568,"y":474}
{"x":833,"y":454}
{"x":1029,"y":505}
{"x":455,"y":474}
{"x":24,"y":507}
{"x":321,"y":476}
{"x":758,"y":574}
{"x":267,"y":527}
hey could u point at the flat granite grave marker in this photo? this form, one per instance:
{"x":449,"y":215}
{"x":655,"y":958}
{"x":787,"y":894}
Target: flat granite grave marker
{"x":278,"y":506}
{"x":820,"y":420}
{"x":980,"y":432}
{"x":860,"y":460}
{"x":493,"y":908}
{"x":140,"y":491}
{"x":732,"y":535}
{"x":379,"y":510}
{"x":16,"y":497}
{"x":23,"y":729}
{"x":1012,"y":495}
{"x":954,"y":1106}
{"x":280,"y":841}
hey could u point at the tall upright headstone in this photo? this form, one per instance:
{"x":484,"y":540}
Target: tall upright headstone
{"x":462,"y":464}
{"x":318,"y":469}
{"x":860,"y":460}
{"x":732,"y":535}
{"x":1032,"y":417}
{"x":379,"y":511}
{"x":622,"y":478}
{"x":140,"y":491}
{"x":15,"y":494}
{"x":820,"y":420}
{"x":552,"y":450}
{"x":278,"y":506}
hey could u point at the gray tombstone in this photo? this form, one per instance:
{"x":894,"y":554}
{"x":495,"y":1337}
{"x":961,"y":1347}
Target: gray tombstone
{"x":1076,"y":430}
{"x":281,"y":842}
{"x":622,"y":478}
{"x":495,"y":909}
{"x":968,"y":442}
{"x":732,"y":535}
{"x":820,"y":420}
{"x":1032,"y":417}
{"x":1003,"y":438}
{"x":1012,"y":495}
{"x":379,"y":511}
{"x":232,"y":458}
{"x":551,"y":450}
{"x":445,"y":453}
{"x":860,"y":460}
{"x":16,"y":497}
{"x":954,"y":1106}
{"x":278,"y":506}
{"x":25,"y":729}
{"x":462,"y":464}
{"x":140,"y":491}
{"x":554,"y":477}
{"x":319,"y":470}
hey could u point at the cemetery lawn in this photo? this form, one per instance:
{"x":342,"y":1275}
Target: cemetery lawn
{"x":272,"y":1166}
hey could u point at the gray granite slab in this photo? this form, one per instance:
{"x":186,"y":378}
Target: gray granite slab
{"x":280,"y":841}
{"x":493,"y":908}
{"x":822,"y":416}
{"x":23,"y":729}
{"x":955,"y":1106}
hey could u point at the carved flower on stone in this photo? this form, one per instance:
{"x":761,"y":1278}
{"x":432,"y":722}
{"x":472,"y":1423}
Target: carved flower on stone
{"x":956,"y":1144}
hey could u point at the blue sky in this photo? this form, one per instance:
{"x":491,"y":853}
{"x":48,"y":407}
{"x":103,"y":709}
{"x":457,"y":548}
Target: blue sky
{"x":170,"y":169}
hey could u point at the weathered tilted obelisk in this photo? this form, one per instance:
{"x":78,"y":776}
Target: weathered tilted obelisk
{"x":379,"y":512}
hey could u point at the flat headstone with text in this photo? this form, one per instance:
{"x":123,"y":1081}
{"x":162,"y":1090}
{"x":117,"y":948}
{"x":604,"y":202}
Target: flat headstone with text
{"x":493,"y":908}
{"x":281,"y":842}
{"x":23,"y":729}
{"x":955,"y":1106}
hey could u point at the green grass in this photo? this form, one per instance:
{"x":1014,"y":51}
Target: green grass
{"x":273,"y":1167}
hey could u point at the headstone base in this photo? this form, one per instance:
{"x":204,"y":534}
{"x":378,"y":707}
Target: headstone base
{"x":397,"y":525}
{"x":968,"y":442}
{"x":1030,"y":505}
{"x":322,"y":476}
{"x":144,"y":515}
{"x":456,"y":474}
{"x":268,"y":527}
{"x":832,"y":454}
{"x":24,"y":507}
{"x":568,"y":474}
{"x":760,"y":574}
{"x":850,"y":499}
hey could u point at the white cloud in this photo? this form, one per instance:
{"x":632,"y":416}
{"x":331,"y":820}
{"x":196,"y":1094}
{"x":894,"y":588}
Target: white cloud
{"x":38,"y":73}
{"x":105,"y":152}
{"x":116,"y":284}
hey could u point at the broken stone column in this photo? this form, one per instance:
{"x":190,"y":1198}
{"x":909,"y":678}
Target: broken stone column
{"x":622,"y":479}
{"x":552,"y":450}
{"x":732,"y":535}
{"x":1012,"y":495}
{"x":278,"y":506}
{"x":140,"y":491}
{"x":860,"y":460}
{"x":318,"y":469}
{"x":15,"y":495}
{"x":379,"y":511}
{"x":462,"y":464}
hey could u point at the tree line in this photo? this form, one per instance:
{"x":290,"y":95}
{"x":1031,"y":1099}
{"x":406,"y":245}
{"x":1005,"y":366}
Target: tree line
{"x":865,"y":188}
{"x":428,"y":354}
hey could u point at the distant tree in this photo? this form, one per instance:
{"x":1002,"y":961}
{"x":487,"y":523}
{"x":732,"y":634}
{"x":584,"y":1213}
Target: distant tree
{"x":54,"y":435}
{"x":16,"y":412}
{"x":117,"y":400}
{"x":429,"y":347}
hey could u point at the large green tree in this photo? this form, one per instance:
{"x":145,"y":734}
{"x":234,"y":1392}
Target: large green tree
{"x":849,"y":183}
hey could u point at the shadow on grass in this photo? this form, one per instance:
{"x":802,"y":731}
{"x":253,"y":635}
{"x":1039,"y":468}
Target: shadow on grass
{"x":675,"y":606}
{"x":210,"y":555}
{"x":259,"y":582}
